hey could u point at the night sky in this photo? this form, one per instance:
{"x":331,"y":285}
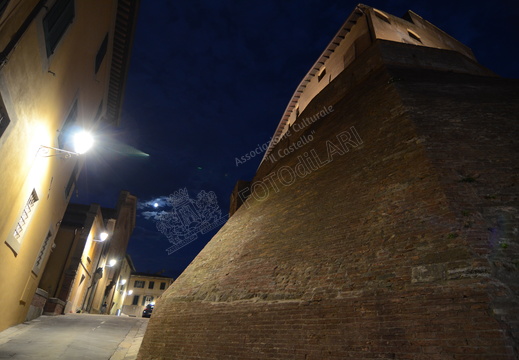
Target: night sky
{"x":209,"y":81}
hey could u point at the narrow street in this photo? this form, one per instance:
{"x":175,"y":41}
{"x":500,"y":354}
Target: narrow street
{"x":74,"y":337}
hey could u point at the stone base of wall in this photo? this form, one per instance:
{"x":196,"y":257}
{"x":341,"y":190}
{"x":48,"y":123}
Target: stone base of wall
{"x":54,"y":306}
{"x":37,"y":304}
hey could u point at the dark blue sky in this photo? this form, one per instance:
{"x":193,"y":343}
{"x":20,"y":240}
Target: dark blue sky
{"x":209,"y":81}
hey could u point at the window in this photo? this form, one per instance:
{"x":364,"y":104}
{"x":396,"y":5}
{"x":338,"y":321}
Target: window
{"x":135,"y":300}
{"x":139,"y":284}
{"x":14,"y":239}
{"x":72,"y":181}
{"x":151,"y":284}
{"x":26,"y":212}
{"x":67,"y":126}
{"x":147,"y":299}
{"x":56,"y":22}
{"x":162,"y":286}
{"x":381,"y":16}
{"x":414,"y":35}
{"x":101,"y":53}
{"x":322,"y":72}
{"x":3,"y":5}
{"x":4,"y":120}
{"x":41,"y":255}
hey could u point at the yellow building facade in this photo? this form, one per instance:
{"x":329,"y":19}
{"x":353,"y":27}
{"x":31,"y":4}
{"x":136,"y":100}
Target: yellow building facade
{"x":144,"y":289}
{"x":89,"y":262}
{"x":91,"y":259}
{"x":115,"y":261}
{"x":123,"y":282}
{"x":74,"y":258}
{"x":63,"y":65}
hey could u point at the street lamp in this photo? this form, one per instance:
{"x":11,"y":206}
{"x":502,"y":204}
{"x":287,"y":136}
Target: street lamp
{"x":112,"y":262}
{"x":82,"y":142}
{"x":102,"y":237}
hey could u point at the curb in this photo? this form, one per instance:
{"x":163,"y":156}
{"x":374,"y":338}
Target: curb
{"x":129,"y":347}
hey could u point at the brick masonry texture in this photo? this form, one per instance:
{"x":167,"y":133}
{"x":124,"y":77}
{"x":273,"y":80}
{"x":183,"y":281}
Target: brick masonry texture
{"x":404,"y":246}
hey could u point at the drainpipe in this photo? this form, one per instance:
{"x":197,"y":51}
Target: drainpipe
{"x":18,"y":34}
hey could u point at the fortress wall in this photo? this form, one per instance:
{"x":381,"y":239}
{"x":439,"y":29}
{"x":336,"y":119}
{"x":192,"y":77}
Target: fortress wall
{"x":364,"y":253}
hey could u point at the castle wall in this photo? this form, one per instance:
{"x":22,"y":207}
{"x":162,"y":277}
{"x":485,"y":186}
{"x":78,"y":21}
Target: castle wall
{"x":352,"y":46}
{"x":362,"y":28}
{"x":471,"y":145}
{"x":354,"y":244}
{"x":413,"y":30}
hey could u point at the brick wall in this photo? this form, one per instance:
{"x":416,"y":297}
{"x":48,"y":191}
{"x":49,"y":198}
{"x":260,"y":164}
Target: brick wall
{"x":381,"y":236}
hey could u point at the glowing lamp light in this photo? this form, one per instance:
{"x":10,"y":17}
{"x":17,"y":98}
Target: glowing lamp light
{"x":83,"y":141}
{"x":112,"y":262}
{"x":130,"y":292}
{"x":102,"y":237}
{"x":123,"y":281}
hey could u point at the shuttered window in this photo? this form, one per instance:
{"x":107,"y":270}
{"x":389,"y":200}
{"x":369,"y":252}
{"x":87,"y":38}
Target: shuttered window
{"x":4,"y":120}
{"x":101,"y":53}
{"x":56,"y":22}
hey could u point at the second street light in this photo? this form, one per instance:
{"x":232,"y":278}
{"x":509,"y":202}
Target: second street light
{"x":102,"y":237}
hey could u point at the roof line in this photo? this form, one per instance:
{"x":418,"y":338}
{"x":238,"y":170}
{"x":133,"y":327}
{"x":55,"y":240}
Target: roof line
{"x":125,"y":23}
{"x":314,"y":69}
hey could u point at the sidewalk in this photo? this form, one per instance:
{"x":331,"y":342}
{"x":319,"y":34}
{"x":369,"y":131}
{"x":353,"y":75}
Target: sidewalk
{"x":129,"y":347}
{"x":74,"y":337}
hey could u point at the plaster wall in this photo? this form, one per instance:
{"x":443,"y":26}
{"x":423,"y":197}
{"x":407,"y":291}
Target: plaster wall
{"x":121,"y":288}
{"x":154,"y":294}
{"x":38,"y":92}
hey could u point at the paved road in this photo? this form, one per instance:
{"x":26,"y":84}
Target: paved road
{"x":74,"y":337}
